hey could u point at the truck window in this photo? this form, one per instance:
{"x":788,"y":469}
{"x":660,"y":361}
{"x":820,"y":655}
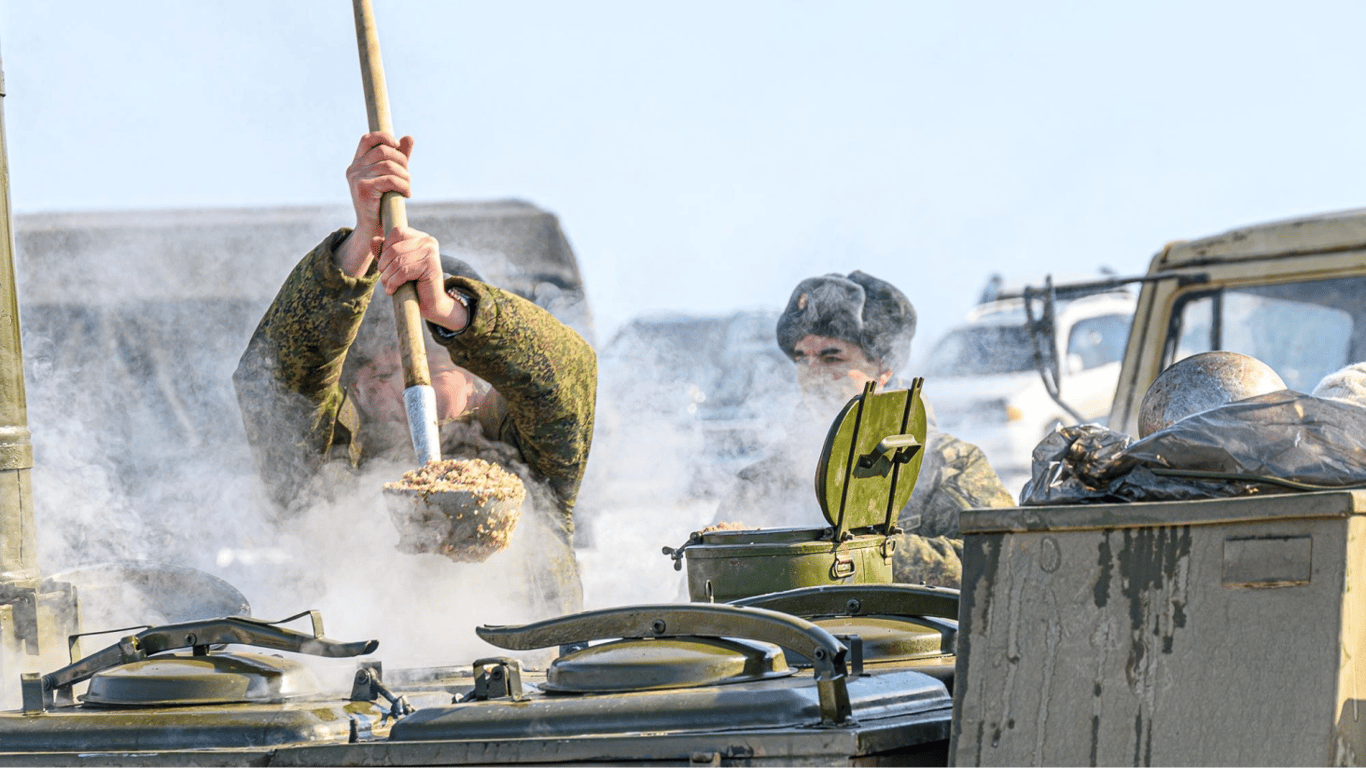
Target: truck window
{"x":1302,"y":330}
{"x":1098,"y":340}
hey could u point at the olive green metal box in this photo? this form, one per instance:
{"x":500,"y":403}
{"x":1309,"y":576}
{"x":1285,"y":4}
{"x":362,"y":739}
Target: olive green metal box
{"x":867,"y":470}
{"x":1212,"y":632}
{"x":728,"y":565}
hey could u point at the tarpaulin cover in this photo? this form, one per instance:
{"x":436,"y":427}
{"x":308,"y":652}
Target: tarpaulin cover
{"x":1274,"y":443}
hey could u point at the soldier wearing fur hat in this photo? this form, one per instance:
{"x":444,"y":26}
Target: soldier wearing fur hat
{"x":320,"y":383}
{"x":843,"y":331}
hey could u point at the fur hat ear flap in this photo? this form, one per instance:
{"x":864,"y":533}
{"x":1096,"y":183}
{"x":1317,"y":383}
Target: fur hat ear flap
{"x":888,"y":322}
{"x":830,"y":306}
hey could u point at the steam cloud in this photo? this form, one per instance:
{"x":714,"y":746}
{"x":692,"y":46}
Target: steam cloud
{"x":140,"y":453}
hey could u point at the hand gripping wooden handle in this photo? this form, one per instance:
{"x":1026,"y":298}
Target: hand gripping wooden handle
{"x":419,"y":398}
{"x":393,"y":211}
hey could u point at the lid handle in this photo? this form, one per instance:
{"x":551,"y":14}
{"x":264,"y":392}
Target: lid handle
{"x":898,"y":449}
{"x":198,"y":635}
{"x":828,"y":655}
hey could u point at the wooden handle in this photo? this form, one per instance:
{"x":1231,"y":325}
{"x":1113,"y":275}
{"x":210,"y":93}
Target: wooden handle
{"x":393,"y":210}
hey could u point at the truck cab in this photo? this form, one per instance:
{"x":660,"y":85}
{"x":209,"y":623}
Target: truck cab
{"x":1194,"y":631}
{"x":1288,"y":293}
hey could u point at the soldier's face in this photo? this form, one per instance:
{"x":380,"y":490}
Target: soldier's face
{"x":834,"y":370}
{"x":379,"y":387}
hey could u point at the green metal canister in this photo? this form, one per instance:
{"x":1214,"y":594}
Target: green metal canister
{"x":867,"y":470}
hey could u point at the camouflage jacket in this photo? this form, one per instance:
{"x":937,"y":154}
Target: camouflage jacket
{"x":299,"y":417}
{"x":780,"y":491}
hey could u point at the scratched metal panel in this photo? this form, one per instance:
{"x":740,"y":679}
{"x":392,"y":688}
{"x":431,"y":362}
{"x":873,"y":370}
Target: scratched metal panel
{"x":1145,"y":514}
{"x":1157,"y":645}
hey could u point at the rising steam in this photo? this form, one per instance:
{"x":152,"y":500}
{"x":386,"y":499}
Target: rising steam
{"x":140,"y":452}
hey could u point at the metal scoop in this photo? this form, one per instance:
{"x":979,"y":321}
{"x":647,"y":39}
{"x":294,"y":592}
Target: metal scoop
{"x":464,"y":509}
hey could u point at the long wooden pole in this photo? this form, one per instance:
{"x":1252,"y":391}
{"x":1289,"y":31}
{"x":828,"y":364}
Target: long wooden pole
{"x":19,"y":574}
{"x":418,"y":395}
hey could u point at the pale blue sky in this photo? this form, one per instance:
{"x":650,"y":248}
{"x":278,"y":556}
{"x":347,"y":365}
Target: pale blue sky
{"x":705,"y":156}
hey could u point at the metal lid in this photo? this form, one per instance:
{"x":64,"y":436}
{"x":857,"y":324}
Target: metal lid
{"x":148,"y":593}
{"x":871,"y":459}
{"x":895,"y":623}
{"x":893,"y":638}
{"x":652,"y":664}
{"x":172,"y":679}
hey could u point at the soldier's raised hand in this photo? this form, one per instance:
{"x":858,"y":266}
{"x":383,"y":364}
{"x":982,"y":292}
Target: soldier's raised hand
{"x":380,"y":165}
{"x":411,"y":255}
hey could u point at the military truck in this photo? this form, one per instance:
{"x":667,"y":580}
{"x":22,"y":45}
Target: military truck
{"x":1219,"y":631}
{"x":1288,"y":293}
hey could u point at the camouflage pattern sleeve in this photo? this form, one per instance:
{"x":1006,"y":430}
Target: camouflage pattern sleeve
{"x":546,"y":374}
{"x":936,"y":561}
{"x":954,"y":476}
{"x":288,"y":379}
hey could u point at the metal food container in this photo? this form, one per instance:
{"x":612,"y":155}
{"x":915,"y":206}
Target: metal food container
{"x":1210,"y":632}
{"x":867,"y":470}
{"x":728,"y":565}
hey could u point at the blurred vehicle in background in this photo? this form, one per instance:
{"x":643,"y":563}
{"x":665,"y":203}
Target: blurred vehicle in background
{"x":684,"y":402}
{"x":700,"y":388}
{"x":1178,"y":591}
{"x":983,"y":381}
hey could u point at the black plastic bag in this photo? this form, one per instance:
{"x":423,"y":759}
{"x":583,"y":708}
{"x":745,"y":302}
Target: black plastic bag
{"x":1273,"y":443}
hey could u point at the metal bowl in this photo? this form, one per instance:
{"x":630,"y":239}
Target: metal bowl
{"x":1201,"y":382}
{"x":456,"y":524}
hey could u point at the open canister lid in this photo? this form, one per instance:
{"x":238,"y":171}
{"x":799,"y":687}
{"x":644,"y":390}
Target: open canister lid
{"x":871,"y":458}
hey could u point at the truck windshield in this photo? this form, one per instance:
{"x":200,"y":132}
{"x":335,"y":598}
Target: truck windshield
{"x":1303,"y":330}
{"x":982,"y":349}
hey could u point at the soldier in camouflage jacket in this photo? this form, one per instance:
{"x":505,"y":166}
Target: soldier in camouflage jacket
{"x":843,"y":332}
{"x":318,"y":385}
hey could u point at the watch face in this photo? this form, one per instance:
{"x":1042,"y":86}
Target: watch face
{"x":465,"y":300}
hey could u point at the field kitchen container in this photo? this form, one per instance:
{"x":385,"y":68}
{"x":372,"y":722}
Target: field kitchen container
{"x":867,"y":469}
{"x":1211,"y":632}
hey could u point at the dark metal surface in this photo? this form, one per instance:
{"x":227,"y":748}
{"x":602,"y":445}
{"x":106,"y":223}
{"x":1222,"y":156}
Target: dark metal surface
{"x":828,"y":656}
{"x":862,"y":599}
{"x":135,"y":735}
{"x":689,"y":620}
{"x":711,"y":715}
{"x":199,"y":635}
{"x":888,"y":639}
{"x":894,"y":622}
{"x":179,"y":680}
{"x":646,"y":664}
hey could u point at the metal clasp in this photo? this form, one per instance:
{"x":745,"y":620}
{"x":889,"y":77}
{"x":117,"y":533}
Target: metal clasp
{"x":498,"y":677}
{"x":843,"y":566}
{"x":897,"y":449}
{"x":367,"y":686}
{"x":677,"y":554}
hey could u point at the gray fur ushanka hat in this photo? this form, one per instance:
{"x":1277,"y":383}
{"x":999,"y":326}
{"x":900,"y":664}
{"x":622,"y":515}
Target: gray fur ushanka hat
{"x":857,"y":308}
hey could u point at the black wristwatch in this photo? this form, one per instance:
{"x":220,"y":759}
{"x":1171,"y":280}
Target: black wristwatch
{"x":465,"y":300}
